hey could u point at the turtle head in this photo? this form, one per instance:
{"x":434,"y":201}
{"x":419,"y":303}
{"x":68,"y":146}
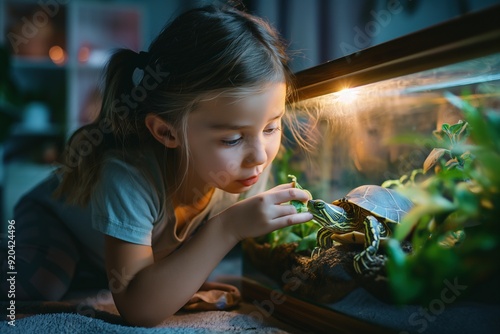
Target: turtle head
{"x":327,"y":215}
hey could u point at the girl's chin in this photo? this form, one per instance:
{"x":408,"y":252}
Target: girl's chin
{"x":236,"y":188}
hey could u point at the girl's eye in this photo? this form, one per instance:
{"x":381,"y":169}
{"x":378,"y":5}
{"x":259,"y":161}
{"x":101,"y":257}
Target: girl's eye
{"x":272,"y":130}
{"x":231,"y":142}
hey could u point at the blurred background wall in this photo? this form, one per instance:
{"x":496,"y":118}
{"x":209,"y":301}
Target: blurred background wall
{"x":52,"y":53}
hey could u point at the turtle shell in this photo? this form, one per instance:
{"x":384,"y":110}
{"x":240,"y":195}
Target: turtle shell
{"x":381,"y":202}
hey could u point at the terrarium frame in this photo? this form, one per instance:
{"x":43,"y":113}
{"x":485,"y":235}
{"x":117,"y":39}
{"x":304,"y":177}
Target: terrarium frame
{"x":465,"y":38}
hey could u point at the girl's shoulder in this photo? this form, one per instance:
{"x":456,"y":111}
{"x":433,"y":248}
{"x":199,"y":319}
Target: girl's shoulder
{"x":126,"y":193}
{"x":140,"y":171}
{"x":115,"y":166}
{"x":139,"y":163}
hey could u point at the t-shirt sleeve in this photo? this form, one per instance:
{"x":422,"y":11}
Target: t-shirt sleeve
{"x":124,"y":204}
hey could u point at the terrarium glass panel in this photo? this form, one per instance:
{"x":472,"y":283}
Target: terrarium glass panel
{"x":360,"y":130}
{"x":383,"y":134}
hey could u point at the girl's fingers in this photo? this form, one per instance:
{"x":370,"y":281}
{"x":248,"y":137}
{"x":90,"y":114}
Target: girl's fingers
{"x":288,"y":210}
{"x":285,"y":210}
{"x":293,"y":219}
{"x":283,"y":186}
{"x":288,"y":194}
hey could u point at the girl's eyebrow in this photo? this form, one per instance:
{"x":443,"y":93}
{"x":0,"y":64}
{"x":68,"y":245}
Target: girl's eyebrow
{"x":224,"y":126}
{"x":229,"y":126}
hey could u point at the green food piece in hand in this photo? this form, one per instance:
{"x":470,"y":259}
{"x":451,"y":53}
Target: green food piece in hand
{"x":301,"y":207}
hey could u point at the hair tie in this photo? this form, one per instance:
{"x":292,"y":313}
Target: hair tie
{"x":142,"y":59}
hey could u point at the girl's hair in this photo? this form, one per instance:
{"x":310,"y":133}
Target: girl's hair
{"x":203,"y":52}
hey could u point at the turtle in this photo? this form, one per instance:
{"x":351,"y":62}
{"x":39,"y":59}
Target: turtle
{"x":366,"y":215}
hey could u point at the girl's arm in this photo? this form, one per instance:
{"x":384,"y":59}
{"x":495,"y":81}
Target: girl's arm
{"x":147,"y":291}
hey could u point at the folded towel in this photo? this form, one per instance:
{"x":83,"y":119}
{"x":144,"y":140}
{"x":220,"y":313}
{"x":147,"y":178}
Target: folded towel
{"x":214,"y":296}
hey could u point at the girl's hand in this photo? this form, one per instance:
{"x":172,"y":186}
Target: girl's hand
{"x":264,"y":213}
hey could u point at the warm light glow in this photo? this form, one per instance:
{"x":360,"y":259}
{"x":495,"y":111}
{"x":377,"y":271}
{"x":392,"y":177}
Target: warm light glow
{"x":57,"y":55}
{"x":347,"y":95}
{"x":84,"y":54}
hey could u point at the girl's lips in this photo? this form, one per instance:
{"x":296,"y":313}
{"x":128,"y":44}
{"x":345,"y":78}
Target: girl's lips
{"x":250,"y":181}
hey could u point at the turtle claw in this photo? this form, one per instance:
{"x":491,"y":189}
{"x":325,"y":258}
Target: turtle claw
{"x":365,"y":262}
{"x":316,"y":251}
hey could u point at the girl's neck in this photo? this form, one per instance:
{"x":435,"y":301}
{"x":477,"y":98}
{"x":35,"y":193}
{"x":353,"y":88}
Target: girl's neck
{"x":185,"y":209}
{"x":195,"y":198}
{"x":190,"y":192}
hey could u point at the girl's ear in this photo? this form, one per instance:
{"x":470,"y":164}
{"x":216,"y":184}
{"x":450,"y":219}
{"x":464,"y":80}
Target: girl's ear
{"x":162,"y":131}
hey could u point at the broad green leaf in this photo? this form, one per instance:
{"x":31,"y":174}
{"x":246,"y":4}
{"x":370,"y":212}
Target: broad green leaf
{"x":422,"y":231}
{"x":306,"y":243}
{"x":289,"y":238}
{"x":426,"y":205}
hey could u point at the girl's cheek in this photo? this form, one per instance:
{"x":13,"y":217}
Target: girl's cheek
{"x":273,"y":152}
{"x":224,"y":162}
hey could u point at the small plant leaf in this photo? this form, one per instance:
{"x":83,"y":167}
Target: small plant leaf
{"x":433,"y":158}
{"x":446,"y":128}
{"x":458,"y":128}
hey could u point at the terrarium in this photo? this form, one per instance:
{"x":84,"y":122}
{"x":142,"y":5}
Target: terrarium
{"x":415,"y":119}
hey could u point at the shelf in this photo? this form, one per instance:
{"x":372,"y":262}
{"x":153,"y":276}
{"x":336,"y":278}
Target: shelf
{"x":62,"y":50}
{"x":59,"y":61}
{"x":22,"y":62}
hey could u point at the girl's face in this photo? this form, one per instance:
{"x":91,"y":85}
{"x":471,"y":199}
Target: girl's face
{"x":232,"y":140}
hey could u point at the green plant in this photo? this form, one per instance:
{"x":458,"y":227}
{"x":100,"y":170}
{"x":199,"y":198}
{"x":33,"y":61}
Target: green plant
{"x":454,"y":226}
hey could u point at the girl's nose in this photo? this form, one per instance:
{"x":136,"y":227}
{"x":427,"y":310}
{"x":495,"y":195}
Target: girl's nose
{"x":256,"y":155}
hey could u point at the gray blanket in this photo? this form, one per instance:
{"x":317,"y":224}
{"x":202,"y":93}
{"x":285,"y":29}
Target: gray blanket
{"x":96,"y":313}
{"x":202,"y":322}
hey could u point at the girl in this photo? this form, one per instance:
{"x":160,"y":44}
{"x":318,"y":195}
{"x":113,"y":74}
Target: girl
{"x":185,"y":129}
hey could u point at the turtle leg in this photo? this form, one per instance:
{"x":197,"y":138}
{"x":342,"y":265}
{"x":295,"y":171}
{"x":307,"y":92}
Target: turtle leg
{"x":367,"y":258}
{"x":323,"y":241}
